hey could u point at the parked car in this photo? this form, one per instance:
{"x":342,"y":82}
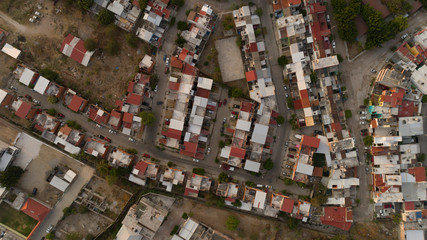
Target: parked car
{"x":373,"y":70}
{"x":28,"y":97}
{"x":291,"y":156}
{"x":155,"y":89}
{"x":284,"y":87}
{"x":2,"y":234}
{"x":49,"y":229}
{"x":159,"y":102}
{"x":367,"y":169}
{"x":293,"y":149}
{"x":333,"y":44}
{"x":164,"y":57}
{"x":146,"y":155}
{"x":318,"y":132}
{"x":404,"y":36}
{"x":13,"y":88}
{"x":132,"y":140}
{"x":36,"y":101}
{"x":99,"y":126}
{"x":224,"y":120}
{"x":112,"y":131}
{"x":234,"y":113}
{"x":220,"y":104}
{"x":328,"y":18}
{"x":107,"y":139}
{"x":362,"y":122}
{"x":363,"y":112}
{"x":195,"y":160}
{"x":286,"y":95}
{"x":166,"y":70}
{"x":362,"y":106}
{"x":225,"y":101}
{"x":362,"y":117}
{"x":60,"y":115}
{"x":34,"y":192}
{"x":167,"y":61}
{"x":236,"y":106}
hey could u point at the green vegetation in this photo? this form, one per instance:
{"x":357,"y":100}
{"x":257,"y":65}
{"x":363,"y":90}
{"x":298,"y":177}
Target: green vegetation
{"x":258,"y":12}
{"x":424,"y":99}
{"x":50,"y":236}
{"x":132,"y":40}
{"x":236,"y":92}
{"x":102,"y":168}
{"x":320,"y":196}
{"x":132,"y":151}
{"x":292,"y":223}
{"x":237,"y":203}
{"x":421,"y":157}
{"x":345,"y":14}
{"x":340,"y":58}
{"x":313,"y":77}
{"x":368,"y":141}
{"x":239,"y":41}
{"x":232,"y":223}
{"x":319,"y":160}
{"x":250,"y":184}
{"x":348,"y":114}
{"x":398,"y":6}
{"x":147,"y":118}
{"x":223,"y":177}
{"x":366,"y":101}
{"x":199,"y":171}
{"x":52,"y":99}
{"x":178,"y":3}
{"x":105,"y":17}
{"x":282,"y":60}
{"x":293,"y":122}
{"x":68,"y":211}
{"x":113,"y":176}
{"x":184,"y":215}
{"x":90,"y":44}
{"x":268,"y":164}
{"x":221,"y":144}
{"x":142,"y":4}
{"x":258,"y":32}
{"x":51,"y":75}
{"x":16,"y":220}
{"x":51,"y":111}
{"x":280,"y":119}
{"x":378,"y":30}
{"x":85,"y":4}
{"x":174,"y":230}
{"x":397,"y":218}
{"x":424,"y":3}
{"x":228,"y":23}
{"x":73,"y":236}
{"x":180,"y":41}
{"x":290,"y":102}
{"x":10,"y":176}
{"x":182,"y":25}
{"x":113,"y":47}
{"x":111,"y":31}
{"x":288,"y":181}
{"x":74,"y":124}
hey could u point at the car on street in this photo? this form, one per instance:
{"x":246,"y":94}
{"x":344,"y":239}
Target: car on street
{"x":293,"y":149}
{"x":362,"y":106}
{"x":286,"y":95}
{"x":146,"y":155}
{"x":164,"y":57}
{"x":362,"y":122}
{"x":49,"y":229}
{"x":60,"y":115}
{"x":328,"y":18}
{"x":99,"y":126}
{"x":236,"y":106}
{"x":318,"y":132}
{"x":362,"y":117}
{"x":155,"y":89}
{"x":34,"y":192}
{"x":166,"y":70}
{"x":209,"y":150}
{"x":2,"y":234}
{"x":367,"y":169}
{"x":234,"y":113}
{"x":291,"y":156}
{"x":167,"y":61}
{"x":195,"y":160}
{"x":13,"y":88}
{"x":225,"y":101}
{"x":36,"y":101}
{"x":112,"y":131}
{"x":364,"y":134}
{"x":404,"y":36}
{"x":159,"y":102}
{"x":373,"y":70}
{"x":132,"y":140}
{"x":284,"y":87}
{"x":220,"y":104}
{"x":333,"y":44}
{"x":224,"y":120}
{"x":363,"y":112}
{"x":28,"y":97}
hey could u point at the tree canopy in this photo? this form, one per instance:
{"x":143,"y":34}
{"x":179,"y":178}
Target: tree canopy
{"x":280,"y":119}
{"x":232,"y":223}
{"x":85,"y":4}
{"x":223,"y":177}
{"x":90,"y":44}
{"x":105,"y":17}
{"x":236,"y":92}
{"x":282,"y":60}
{"x":398,"y":6}
{"x":268,"y":164}
{"x":178,"y":3}
{"x":345,"y":15}
{"x":49,"y":74}
{"x":182,"y":25}
{"x":147,"y":118}
{"x":10,"y":176}
{"x":368,"y":140}
{"x":180,"y":41}
{"x":199,"y":171}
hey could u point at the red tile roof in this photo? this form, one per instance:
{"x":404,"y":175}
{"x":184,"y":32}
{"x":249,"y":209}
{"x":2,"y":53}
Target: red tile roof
{"x":407,"y":109}
{"x":204,"y":93}
{"x":253,"y":47}
{"x":176,"y":63}
{"x":76,"y":103}
{"x":131,"y":86}
{"x":141,"y":166}
{"x":174,"y":86}
{"x":310,"y":141}
{"x":338,"y":217}
{"x":409,"y":206}
{"x":237,"y":152}
{"x":316,"y":8}
{"x":419,"y":173}
{"x":246,"y":106}
{"x":298,"y":104}
{"x":119,"y":104}
{"x":229,"y":130}
{"x":190,"y":190}
{"x":172,"y":133}
{"x":190,"y":149}
{"x":294,"y":2}
{"x":251,"y":76}
{"x":189,"y":70}
{"x":23,"y":110}
{"x":134,"y":99}
{"x":35,"y":209}
{"x":317,"y":172}
{"x":183,"y":54}
{"x":287,"y":205}
{"x":305,"y":101}
{"x":127,"y":117}
{"x":78,"y":52}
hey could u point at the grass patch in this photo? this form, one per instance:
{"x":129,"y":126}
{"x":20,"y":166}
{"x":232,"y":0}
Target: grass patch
{"x":16,"y":220}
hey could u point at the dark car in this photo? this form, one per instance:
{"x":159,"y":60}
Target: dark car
{"x":159,"y":103}
{"x":34,"y":192}
{"x":2,"y":234}
{"x":166,"y":70}
{"x":290,"y":155}
{"x":60,"y":115}
{"x":318,"y":132}
{"x":220,"y":104}
{"x":107,"y":139}
{"x":293,"y":149}
{"x":225,"y":101}
{"x":146,"y":155}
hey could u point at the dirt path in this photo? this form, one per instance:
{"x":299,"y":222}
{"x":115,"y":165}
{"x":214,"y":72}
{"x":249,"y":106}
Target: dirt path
{"x":43,"y":28}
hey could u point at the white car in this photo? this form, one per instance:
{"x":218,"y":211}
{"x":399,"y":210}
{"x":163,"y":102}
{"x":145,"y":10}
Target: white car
{"x":404,"y":36}
{"x":195,"y":160}
{"x":167,"y":61}
{"x":362,"y":122}
{"x":333,"y":44}
{"x":49,"y":229}
{"x":363,"y":112}
{"x":112,"y":131}
{"x":328,"y":18}
{"x":36,"y":101}
{"x":362,"y":117}
{"x":132,"y":140}
{"x":99,"y":126}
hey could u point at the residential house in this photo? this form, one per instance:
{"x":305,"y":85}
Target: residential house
{"x":197,"y":183}
{"x":120,"y":158}
{"x":73,"y":101}
{"x":74,"y":48}
{"x":172,"y":177}
{"x":142,"y":171}
{"x":69,"y":139}
{"x":96,"y":148}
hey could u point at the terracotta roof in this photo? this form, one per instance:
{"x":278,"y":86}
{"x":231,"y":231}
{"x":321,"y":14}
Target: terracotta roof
{"x":419,"y":173}
{"x":35,"y":209}
{"x":317,"y":172}
{"x":204,"y":93}
{"x":176,"y":63}
{"x":337,"y":217}
{"x":251,"y":76}
{"x":127,"y":117}
{"x":66,"y":130}
{"x":23,"y":110}
{"x":237,"y":152}
{"x":141,"y":166}
{"x":174,"y":86}
{"x":246,"y":106}
{"x":76,"y":103}
{"x":134,"y":99}
{"x":172,"y":133}
{"x":190,"y":190}
{"x":310,"y":141}
{"x":189,"y":70}
{"x":409,"y":206}
{"x":190,"y":149}
{"x":119,"y":104}
{"x":229,"y":130}
{"x":131,"y":86}
{"x":287,"y":205}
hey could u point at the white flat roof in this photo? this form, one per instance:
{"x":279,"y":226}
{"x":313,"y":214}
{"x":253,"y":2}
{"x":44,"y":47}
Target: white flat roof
{"x":3,"y":95}
{"x":59,"y":183}
{"x":225,"y":152}
{"x":205,"y":83}
{"x":11,"y":51}
{"x":69,"y":176}
{"x":243,"y":125}
{"x":411,"y":126}
{"x":304,"y":169}
{"x":188,"y":229}
{"x":252,"y":166}
{"x":414,"y":234}
{"x":26,"y":77}
{"x":41,"y":85}
{"x":176,"y":124}
{"x":259,"y":201}
{"x":259,"y":134}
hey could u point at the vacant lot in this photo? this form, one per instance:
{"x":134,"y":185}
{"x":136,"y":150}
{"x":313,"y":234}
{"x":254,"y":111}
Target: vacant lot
{"x":106,"y":77}
{"x":229,"y":59}
{"x":7,"y":134}
{"x":16,"y":220}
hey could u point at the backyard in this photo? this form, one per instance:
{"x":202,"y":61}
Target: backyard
{"x":16,"y":220}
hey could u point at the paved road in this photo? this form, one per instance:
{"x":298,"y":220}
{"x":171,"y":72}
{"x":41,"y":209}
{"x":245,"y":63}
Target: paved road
{"x":56,"y":213}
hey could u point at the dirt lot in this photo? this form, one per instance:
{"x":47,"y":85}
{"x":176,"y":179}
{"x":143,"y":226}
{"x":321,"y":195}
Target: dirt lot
{"x":16,"y":220}
{"x":7,"y":133}
{"x":105,"y":79}
{"x":380,"y":230}
{"x":84,"y":224}
{"x":250,"y":227}
{"x":39,"y":169}
{"x":116,"y":198}
{"x":354,"y":49}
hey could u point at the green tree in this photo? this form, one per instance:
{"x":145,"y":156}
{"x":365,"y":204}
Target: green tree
{"x":282,"y":60}
{"x":142,"y":4}
{"x":178,"y":3}
{"x":424,"y":3}
{"x":90,"y":44}
{"x":236,"y":92}
{"x":113,"y":176}
{"x":280,"y":120}
{"x":85,"y":4}
{"x":340,"y":58}
{"x":221,"y":144}
{"x":228,"y":22}
{"x":50,"y":74}
{"x":288,"y":181}
{"x":258,"y":12}
{"x":180,"y":41}
{"x":268,"y":164}
{"x":199,"y":171}
{"x":147,"y":118}
{"x":74,"y":124}
{"x":345,"y":15}
{"x":51,"y":111}
{"x":182,"y":26}
{"x":10,"y":176}
{"x":368,"y":140}
{"x":132,"y":40}
{"x":398,"y":6}
{"x":223,"y":177}
{"x":52,"y":99}
{"x":292,"y":223}
{"x":250,"y":184}
{"x":113,"y":47}
{"x":50,"y":236}
{"x":237,"y":203}
{"x":421,"y":157}
{"x":319,"y":160}
{"x":396,"y":25}
{"x":132,"y":151}
{"x":105,"y":17}
{"x":348,"y":114}
{"x":103,"y":168}
{"x":377,"y":32}
{"x":232,"y":223}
